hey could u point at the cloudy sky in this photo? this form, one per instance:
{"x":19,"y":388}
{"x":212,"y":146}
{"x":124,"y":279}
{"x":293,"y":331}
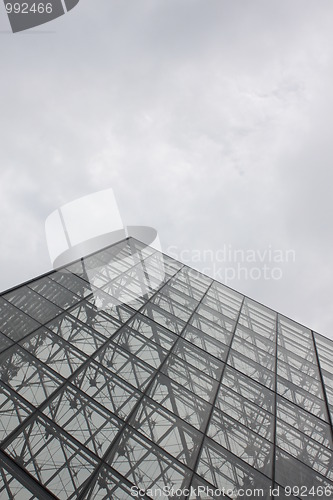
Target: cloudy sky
{"x":212,"y":121}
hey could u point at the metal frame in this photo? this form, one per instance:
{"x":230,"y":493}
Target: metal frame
{"x":190,"y":384}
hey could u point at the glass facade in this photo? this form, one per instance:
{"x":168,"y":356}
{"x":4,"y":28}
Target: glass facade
{"x":188,"y":390}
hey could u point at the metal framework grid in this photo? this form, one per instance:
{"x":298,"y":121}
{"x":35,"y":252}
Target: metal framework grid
{"x":190,"y":387}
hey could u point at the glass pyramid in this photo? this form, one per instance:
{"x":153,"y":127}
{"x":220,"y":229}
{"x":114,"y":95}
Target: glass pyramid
{"x":129,"y":375}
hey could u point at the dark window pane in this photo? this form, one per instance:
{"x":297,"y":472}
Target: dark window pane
{"x":32,"y":304}
{"x":14,"y":323}
{"x":55,"y":293}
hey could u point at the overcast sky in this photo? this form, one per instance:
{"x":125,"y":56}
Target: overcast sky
{"x":212,"y":121}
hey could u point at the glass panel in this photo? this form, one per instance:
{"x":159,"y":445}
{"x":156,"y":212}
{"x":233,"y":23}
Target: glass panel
{"x":54,"y":352}
{"x":248,"y":388}
{"x":305,"y":449}
{"x":77,"y":269}
{"x":122,"y":250}
{"x":251,"y":369}
{"x":106,"y":389}
{"x":186,"y":288}
{"x":180,"y":401}
{"x":163,"y":317}
{"x":296,"y":338}
{"x":132,"y":286}
{"x":328,"y":381}
{"x":27,"y":376}
{"x":258,"y":341}
{"x":13,"y":411}
{"x":140,"y":346}
{"x":201,"y":360}
{"x":109,"y":486}
{"x":124,"y":365}
{"x":292,"y":472}
{"x":32,"y":304}
{"x":213,"y":330}
{"x":205,"y":342}
{"x":171,"y":266}
{"x":72,"y":282}
{"x":155,"y":272}
{"x":190,"y":378}
{"x":143,"y":249}
{"x":4,"y":342}
{"x":292,"y":344}
{"x":51,"y":457}
{"x":98,"y":320}
{"x":195,"y":278}
{"x":145,"y":465}
{"x":304,"y":422}
{"x":297,"y":362}
{"x":98,"y":273}
{"x":11,"y":489}
{"x":152,"y":331}
{"x":180,"y":298}
{"x":102,"y":302}
{"x":166,"y":303}
{"x":83,"y":419}
{"x":167,"y":431}
{"x":241,"y":441}
{"x":14,"y":323}
{"x":224,"y":470}
{"x":258,"y":318}
{"x":245,"y":412}
{"x":201,"y":490}
{"x":109,"y":264}
{"x":118,"y":262}
{"x":216,"y":318}
{"x":300,"y":397}
{"x":224,"y":300}
{"x":76,"y":334}
{"x":253,"y":352}
{"x":113,"y":269}
{"x":57,"y":294}
{"x":300,"y":378}
{"x":325,"y":352}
